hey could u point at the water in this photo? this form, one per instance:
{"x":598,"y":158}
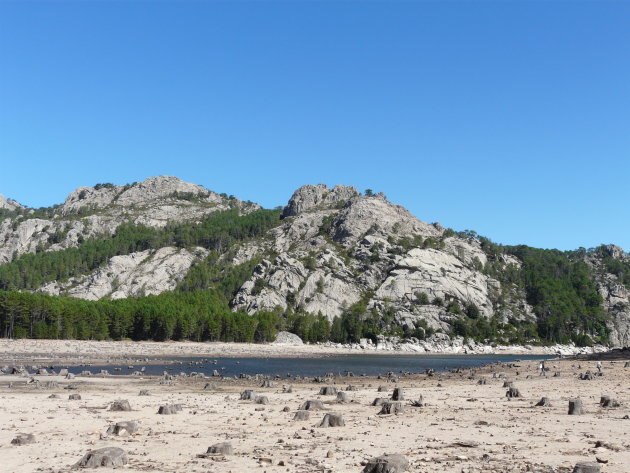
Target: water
{"x":285,"y":367}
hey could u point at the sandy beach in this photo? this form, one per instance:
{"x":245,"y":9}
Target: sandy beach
{"x":463,"y":426}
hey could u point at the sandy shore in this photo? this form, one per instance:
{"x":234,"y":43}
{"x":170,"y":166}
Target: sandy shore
{"x":87,"y":351}
{"x":464,"y":426}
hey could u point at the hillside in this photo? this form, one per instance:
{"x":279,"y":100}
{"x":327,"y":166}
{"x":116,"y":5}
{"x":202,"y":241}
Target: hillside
{"x":165,"y":259}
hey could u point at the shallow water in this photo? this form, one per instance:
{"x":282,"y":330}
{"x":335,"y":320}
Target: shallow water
{"x":368,"y":364}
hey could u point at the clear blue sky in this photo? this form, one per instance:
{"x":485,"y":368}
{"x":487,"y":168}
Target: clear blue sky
{"x":512,"y":119}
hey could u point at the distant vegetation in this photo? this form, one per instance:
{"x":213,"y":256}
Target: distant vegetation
{"x":560,"y":287}
{"x":217,"y":232}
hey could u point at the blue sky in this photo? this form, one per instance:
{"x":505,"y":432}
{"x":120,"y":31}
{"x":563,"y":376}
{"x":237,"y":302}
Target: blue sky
{"x":512,"y":119}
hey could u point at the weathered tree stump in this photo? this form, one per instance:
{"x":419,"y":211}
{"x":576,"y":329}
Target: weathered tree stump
{"x":351,"y":388}
{"x":575,"y":407}
{"x":261,"y":400}
{"x":398,"y":395}
{"x":121,"y":405}
{"x":482,"y":381}
{"x":169,"y":409}
{"x":394,"y":463}
{"x":544,"y":402}
{"x":513,"y":392}
{"x":607,"y":401}
{"x":144,"y":392}
{"x":394,"y":407}
{"x":587,"y":467}
{"x":342,"y":397}
{"x":328,"y":391}
{"x":588,"y":376}
{"x":418,"y":402}
{"x":248,"y":395}
{"x":223,"y":448}
{"x":302,"y":415}
{"x":108,"y":456}
{"x":381,"y":389}
{"x":379,"y":401}
{"x":508,"y":384}
{"x":23,"y":439}
{"x":268,"y":384}
{"x":332,"y":420}
{"x":312,"y":405}
{"x":74,"y":397}
{"x":123,"y":428}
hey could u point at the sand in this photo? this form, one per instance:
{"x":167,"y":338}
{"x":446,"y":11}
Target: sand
{"x":464,"y":427}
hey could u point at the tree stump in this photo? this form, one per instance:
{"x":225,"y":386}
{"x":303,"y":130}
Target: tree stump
{"x":312,"y":405}
{"x":328,"y":391}
{"x":122,"y":405}
{"x":394,"y":463}
{"x":74,"y":397}
{"x":544,"y":402}
{"x":513,"y":392}
{"x":123,"y":428}
{"x":302,"y":415}
{"x":342,"y":397}
{"x":379,"y":401}
{"x":607,"y":401}
{"x":223,"y":448}
{"x":587,"y":467}
{"x":392,"y":408}
{"x":575,"y":407}
{"x":332,"y":420}
{"x":398,"y":395}
{"x":108,"y":456}
{"x":418,"y":402}
{"x":248,"y":395}
{"x":261,"y":400}
{"x":23,"y":439}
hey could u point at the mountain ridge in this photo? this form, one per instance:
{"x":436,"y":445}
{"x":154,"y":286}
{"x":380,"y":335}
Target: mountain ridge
{"x":333,"y":253}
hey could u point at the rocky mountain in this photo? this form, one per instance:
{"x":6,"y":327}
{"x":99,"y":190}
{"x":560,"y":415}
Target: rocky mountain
{"x":335,"y":253}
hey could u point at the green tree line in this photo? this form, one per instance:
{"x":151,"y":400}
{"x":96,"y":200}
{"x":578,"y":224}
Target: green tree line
{"x":218,"y":232}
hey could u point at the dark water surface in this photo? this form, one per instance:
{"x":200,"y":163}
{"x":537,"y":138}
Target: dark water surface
{"x":368,"y":364}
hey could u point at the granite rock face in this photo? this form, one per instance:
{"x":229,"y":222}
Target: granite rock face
{"x":95,"y":211}
{"x":9,"y":204}
{"x":143,"y":273}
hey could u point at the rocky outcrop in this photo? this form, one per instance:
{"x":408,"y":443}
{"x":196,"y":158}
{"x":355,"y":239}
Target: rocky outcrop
{"x":94,"y":211}
{"x":142,"y":273}
{"x":310,"y":197}
{"x":9,"y":204}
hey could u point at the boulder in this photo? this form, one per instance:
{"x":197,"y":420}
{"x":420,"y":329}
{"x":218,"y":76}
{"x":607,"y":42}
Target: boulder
{"x":288,"y":338}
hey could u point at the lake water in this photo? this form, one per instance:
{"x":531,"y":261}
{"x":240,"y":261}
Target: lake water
{"x":370,"y":365}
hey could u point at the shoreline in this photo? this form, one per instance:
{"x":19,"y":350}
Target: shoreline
{"x":79,"y":352}
{"x":465,"y":421}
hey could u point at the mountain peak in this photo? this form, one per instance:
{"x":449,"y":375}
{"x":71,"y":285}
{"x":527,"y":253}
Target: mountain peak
{"x":310,"y":196}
